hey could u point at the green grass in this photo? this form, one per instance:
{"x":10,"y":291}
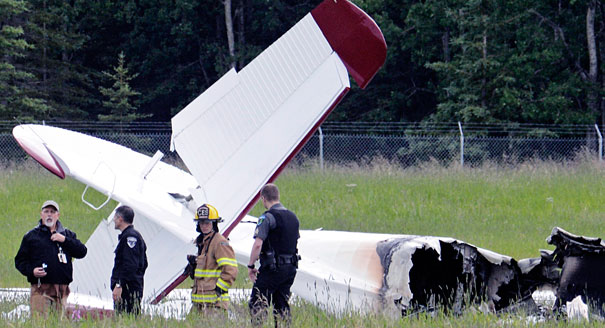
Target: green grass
{"x":508,"y":210}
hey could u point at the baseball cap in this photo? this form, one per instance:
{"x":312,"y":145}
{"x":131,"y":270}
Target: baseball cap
{"x":50,"y":203}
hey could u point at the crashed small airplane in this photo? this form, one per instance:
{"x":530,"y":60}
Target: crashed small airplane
{"x":240,"y":134}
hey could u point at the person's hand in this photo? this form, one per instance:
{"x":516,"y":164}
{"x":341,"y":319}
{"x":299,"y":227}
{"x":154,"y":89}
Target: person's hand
{"x":39,"y":272}
{"x":252,"y":274}
{"x":192,"y":259}
{"x":219,"y":291}
{"x":190,"y":268}
{"x":117,"y":294}
{"x":57,"y":237}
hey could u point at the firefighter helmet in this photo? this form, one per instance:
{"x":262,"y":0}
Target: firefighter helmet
{"x":207,"y":212}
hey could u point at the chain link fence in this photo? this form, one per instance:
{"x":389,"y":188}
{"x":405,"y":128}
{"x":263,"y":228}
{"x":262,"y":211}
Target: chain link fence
{"x":416,"y":150}
{"x":403,"y":144}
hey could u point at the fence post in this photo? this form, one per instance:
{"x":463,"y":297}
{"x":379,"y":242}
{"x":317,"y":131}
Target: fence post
{"x":321,"y":150}
{"x":600,"y":143}
{"x":461,"y":145}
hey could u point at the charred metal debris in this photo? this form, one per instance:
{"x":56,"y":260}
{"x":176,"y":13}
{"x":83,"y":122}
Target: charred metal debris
{"x":424,"y":273}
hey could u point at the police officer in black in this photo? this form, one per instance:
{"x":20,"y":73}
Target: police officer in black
{"x":275,"y":244}
{"x":129,"y":265}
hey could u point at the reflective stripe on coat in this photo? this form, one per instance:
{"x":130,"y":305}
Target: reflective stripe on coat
{"x":215,"y":267}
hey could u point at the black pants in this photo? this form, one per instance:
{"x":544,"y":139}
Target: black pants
{"x":272,"y":287}
{"x":131,"y":300}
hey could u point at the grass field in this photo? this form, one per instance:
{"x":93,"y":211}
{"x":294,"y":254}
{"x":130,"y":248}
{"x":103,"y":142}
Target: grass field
{"x":508,"y":210}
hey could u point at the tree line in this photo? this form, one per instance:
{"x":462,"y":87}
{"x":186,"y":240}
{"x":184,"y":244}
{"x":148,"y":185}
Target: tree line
{"x":475,"y":61}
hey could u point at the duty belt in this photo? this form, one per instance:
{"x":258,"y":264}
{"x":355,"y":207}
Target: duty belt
{"x":287,"y":259}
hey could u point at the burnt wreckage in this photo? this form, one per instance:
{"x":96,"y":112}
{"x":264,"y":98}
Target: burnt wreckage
{"x":582,"y":263}
{"x":422,"y":273}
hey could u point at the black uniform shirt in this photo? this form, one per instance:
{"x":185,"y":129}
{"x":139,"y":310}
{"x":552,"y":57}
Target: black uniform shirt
{"x":130,"y":260}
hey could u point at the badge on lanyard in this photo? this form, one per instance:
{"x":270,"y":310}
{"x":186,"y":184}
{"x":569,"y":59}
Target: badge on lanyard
{"x":62,"y":256}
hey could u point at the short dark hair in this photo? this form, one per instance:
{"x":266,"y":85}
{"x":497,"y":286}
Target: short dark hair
{"x":270,"y":192}
{"x":126,"y":213}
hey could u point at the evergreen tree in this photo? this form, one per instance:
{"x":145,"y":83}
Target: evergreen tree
{"x":403,"y":89}
{"x":505,"y":67}
{"x":66,"y":85}
{"x":120,"y":94}
{"x":475,"y":61}
{"x":15,"y":82}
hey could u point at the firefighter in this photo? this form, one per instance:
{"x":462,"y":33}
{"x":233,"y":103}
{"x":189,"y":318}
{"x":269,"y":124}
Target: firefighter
{"x":215,"y":264}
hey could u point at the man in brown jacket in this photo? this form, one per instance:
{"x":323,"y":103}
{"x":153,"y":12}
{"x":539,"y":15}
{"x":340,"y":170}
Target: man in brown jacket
{"x":215,"y":264}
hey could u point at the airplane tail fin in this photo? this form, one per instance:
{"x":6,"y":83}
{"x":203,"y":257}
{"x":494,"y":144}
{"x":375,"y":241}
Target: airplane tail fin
{"x":241,"y":132}
{"x":354,"y":36}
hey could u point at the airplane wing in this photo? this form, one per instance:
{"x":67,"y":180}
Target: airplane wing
{"x":241,"y":132}
{"x":339,"y":270}
{"x":142,"y":182}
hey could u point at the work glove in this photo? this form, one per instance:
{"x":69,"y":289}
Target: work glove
{"x":219,"y":291}
{"x":190,"y":268}
{"x":192,"y":259}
